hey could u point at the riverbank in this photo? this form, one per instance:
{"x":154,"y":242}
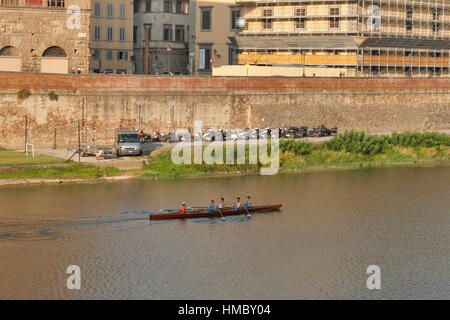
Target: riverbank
{"x":346,"y":151}
{"x":350,"y":150}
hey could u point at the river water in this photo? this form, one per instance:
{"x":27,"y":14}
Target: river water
{"x":333,"y":225}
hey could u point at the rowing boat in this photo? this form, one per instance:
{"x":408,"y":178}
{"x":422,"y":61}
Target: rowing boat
{"x":206,"y":214}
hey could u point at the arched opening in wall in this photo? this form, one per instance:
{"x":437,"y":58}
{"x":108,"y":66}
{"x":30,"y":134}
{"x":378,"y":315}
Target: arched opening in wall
{"x":54,"y":52}
{"x":10,"y":59}
{"x":55,"y":60}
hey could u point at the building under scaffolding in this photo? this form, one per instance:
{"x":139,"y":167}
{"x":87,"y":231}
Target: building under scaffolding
{"x":390,"y":38}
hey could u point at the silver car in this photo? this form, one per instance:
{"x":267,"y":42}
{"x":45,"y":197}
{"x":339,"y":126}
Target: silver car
{"x":128,"y":143}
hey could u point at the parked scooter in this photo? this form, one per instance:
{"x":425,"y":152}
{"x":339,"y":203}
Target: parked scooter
{"x":145,"y":138}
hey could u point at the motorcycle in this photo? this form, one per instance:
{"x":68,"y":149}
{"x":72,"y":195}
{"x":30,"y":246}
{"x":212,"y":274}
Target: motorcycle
{"x":145,"y":138}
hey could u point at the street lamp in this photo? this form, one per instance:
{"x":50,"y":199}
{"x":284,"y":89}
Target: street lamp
{"x":169,"y":49}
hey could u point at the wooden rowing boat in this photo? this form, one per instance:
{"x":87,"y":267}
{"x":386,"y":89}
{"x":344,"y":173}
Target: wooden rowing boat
{"x":206,"y":214}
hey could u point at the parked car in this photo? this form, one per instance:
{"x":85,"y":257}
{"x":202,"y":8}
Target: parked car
{"x":211,"y":135}
{"x":127,"y":142}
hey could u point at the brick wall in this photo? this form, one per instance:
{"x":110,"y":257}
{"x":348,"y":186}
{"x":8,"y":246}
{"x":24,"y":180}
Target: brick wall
{"x":165,"y":103}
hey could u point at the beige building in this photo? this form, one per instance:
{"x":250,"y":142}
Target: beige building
{"x":49,"y":36}
{"x":392,"y":38}
{"x":111,"y":36}
{"x":216,"y":21}
{"x":162,"y":36}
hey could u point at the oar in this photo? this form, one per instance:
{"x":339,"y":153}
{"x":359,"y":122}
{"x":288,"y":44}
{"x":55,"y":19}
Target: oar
{"x":248,"y":213}
{"x":222,"y":217}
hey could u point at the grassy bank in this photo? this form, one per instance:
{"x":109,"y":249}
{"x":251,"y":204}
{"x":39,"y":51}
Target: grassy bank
{"x":351,"y":149}
{"x":10,"y":158}
{"x":71,"y":172}
{"x":345,"y":150}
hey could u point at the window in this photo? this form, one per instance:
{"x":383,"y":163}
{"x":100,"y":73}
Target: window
{"x":409,"y":12}
{"x":10,"y":2}
{"x":179,"y":7}
{"x":300,"y":23}
{"x":232,"y":56}
{"x":96,"y":55}
{"x":56,"y":3}
{"x":109,"y":55}
{"x":135,"y":31}
{"x":409,"y":26}
{"x":167,"y":6}
{"x":267,"y":23}
{"x":235,"y":15}
{"x":122,"y":55}
{"x":204,"y":58}
{"x":109,"y":35}
{"x":334,"y":22}
{"x":179,"y":33}
{"x":122,"y":11}
{"x":436,"y":26}
{"x":122,"y":34}
{"x":167,"y":32}
{"x":206,"y":19}
{"x":109,"y":10}
{"x":97,"y":9}
{"x":300,"y":11}
{"x":136,"y":6}
{"x":148,"y":5}
{"x":436,"y":14}
{"x":96,"y":33}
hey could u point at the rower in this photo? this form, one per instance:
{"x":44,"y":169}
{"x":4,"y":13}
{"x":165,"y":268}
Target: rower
{"x":248,"y":203}
{"x":221,"y":204}
{"x":182,"y":208}
{"x":238,"y":203}
{"x":211,"y":206}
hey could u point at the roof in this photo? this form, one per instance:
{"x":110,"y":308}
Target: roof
{"x":127,"y":131}
{"x":406,"y":43}
{"x":304,"y":42}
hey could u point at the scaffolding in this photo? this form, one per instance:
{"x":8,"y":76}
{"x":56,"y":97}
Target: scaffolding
{"x":392,"y":38}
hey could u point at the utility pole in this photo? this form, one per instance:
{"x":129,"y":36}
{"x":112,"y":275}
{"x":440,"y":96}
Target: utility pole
{"x":54,"y":139}
{"x":26,"y":131}
{"x":147,"y":40}
{"x":79,"y":142}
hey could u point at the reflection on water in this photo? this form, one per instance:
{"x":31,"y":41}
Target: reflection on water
{"x":332,"y":226}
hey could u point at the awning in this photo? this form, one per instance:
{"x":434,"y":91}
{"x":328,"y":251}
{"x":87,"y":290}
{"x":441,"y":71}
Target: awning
{"x":294,"y":43}
{"x":406,"y":43}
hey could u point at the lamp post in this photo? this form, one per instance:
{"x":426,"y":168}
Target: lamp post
{"x":169,"y":49}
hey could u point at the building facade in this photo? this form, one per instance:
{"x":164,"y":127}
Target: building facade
{"x":111,"y":36}
{"x":49,"y":36}
{"x":162,"y":36}
{"x":392,"y":38}
{"x":216,"y":21}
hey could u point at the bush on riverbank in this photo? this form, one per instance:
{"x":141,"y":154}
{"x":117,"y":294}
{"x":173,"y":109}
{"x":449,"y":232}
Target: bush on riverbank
{"x":358,"y":142}
{"x":71,"y":172}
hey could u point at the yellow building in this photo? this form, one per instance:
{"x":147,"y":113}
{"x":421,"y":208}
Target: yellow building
{"x":216,"y":22}
{"x":111,"y":36}
{"x":356,"y":37}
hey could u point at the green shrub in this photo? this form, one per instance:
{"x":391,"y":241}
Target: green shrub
{"x":420,"y":139}
{"x":358,"y":142}
{"x":297,"y":147}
